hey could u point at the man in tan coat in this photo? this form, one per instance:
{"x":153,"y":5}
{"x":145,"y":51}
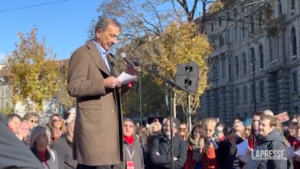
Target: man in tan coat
{"x":92,"y":79}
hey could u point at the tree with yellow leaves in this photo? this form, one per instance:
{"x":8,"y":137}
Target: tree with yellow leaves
{"x":181,"y":44}
{"x":34,"y":72}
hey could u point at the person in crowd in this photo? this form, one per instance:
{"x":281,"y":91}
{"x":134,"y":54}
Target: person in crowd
{"x":32,"y":118}
{"x":93,"y":80}
{"x":63,"y":147}
{"x":57,"y":126}
{"x":70,"y":116}
{"x":272,"y":139}
{"x":183,"y":132}
{"x":226,"y":153}
{"x":219,"y":131}
{"x":294,"y":119}
{"x":155,"y":128}
{"x":13,"y":153}
{"x":133,"y":154}
{"x":247,"y":125}
{"x":268,"y":112}
{"x":296,"y":159}
{"x":195,"y":148}
{"x":292,"y":134}
{"x":24,"y":131}
{"x":40,"y":139}
{"x":209,"y":159}
{"x":13,"y":122}
{"x":160,"y":148}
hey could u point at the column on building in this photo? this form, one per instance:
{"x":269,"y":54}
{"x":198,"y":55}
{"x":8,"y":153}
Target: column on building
{"x":213,"y":103}
{"x":271,"y":92}
{"x":222,"y":112}
{"x":205,"y":105}
{"x":283,"y":83}
{"x":229,"y":104}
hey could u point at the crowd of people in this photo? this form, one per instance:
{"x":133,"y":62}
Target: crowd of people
{"x":210,"y":144}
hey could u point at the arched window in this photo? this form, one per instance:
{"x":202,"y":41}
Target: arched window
{"x":261,"y":57}
{"x":294,"y":42}
{"x":245,"y":63}
{"x":253,"y":60}
{"x":236,"y":66}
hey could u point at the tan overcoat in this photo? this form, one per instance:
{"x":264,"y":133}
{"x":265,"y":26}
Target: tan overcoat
{"x":98,"y":137}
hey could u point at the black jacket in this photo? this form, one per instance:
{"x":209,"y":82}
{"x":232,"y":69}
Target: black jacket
{"x":163,"y":146}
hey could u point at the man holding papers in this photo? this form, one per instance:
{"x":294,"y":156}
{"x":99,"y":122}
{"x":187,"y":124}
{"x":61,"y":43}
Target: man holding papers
{"x":93,"y":80}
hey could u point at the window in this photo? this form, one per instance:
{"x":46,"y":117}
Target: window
{"x":244,"y":63}
{"x":260,"y":22}
{"x":253,"y":93}
{"x":212,"y":26}
{"x":295,"y":81}
{"x":293,"y":4}
{"x":261,"y":57}
{"x":243,"y":30}
{"x":279,"y":7}
{"x":237,"y":95}
{"x":221,"y":41}
{"x":262,"y":89}
{"x":223,"y":66}
{"x":252,"y":54}
{"x":228,"y":37}
{"x":229,"y":70}
{"x":236,"y":66}
{"x":228,"y":16}
{"x":294,"y":42}
{"x":251,"y":24}
{"x":242,"y":7}
{"x":245,"y":93}
{"x":220,"y":21}
{"x":235,"y":34}
{"x":235,"y":12}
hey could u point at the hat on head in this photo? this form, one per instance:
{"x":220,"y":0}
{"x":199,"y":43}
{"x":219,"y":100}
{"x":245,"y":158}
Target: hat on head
{"x":247,"y":122}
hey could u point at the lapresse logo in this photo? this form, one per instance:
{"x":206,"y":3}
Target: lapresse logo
{"x":268,"y":154}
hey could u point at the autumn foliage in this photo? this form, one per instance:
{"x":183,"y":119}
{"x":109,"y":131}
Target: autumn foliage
{"x":34,"y":72}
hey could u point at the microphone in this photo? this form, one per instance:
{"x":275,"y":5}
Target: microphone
{"x":123,"y":56}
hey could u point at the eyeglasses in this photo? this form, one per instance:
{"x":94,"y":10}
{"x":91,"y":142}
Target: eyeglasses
{"x":182,"y":129}
{"x":56,"y":120}
{"x":247,"y":129}
{"x":34,"y":121}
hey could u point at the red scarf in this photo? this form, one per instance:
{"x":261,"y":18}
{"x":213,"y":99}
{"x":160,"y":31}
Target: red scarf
{"x":43,"y":155}
{"x":129,"y":139}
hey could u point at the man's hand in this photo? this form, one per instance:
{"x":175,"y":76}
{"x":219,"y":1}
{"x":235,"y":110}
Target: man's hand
{"x":157,"y":153}
{"x":175,"y":158}
{"x":249,"y":151}
{"x":112,"y":82}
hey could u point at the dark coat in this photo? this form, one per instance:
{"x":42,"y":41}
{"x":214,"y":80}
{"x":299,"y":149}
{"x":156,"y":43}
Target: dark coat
{"x":14,"y":152}
{"x":98,"y":137}
{"x":52,"y":158}
{"x":64,"y":152}
{"x":162,"y":146}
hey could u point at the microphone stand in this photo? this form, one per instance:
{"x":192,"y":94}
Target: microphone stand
{"x":171,"y":85}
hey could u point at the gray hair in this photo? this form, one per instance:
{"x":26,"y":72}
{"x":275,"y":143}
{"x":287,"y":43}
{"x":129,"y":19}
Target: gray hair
{"x":175,"y":121}
{"x":103,"y":23}
{"x":36,"y":132}
{"x":268,"y":112}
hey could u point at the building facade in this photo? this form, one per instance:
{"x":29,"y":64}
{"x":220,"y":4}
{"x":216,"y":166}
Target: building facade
{"x":255,"y":64}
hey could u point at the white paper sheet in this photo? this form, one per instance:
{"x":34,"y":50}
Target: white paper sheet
{"x":245,"y":158}
{"x":242,"y":147}
{"x":297,"y":152}
{"x":126,"y":78}
{"x":291,"y":151}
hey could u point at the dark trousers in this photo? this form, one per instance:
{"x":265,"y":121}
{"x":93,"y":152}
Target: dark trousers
{"x":81,"y":166}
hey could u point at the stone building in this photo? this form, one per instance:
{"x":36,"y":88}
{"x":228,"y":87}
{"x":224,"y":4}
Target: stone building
{"x":255,"y":62}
